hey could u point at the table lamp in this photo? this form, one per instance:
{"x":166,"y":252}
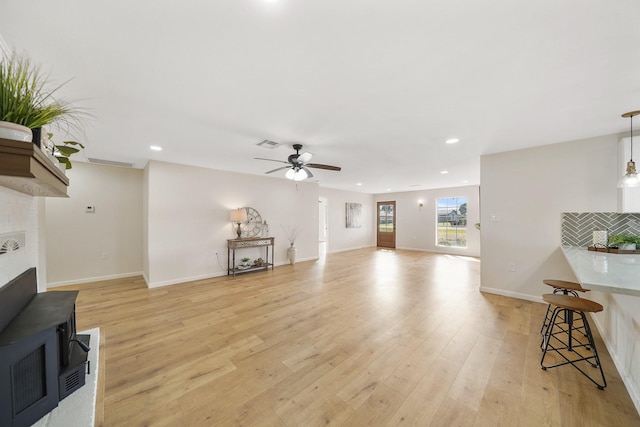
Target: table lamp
{"x":238,"y":216}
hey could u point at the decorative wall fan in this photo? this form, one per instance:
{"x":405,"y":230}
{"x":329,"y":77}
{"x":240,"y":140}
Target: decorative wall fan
{"x":298,"y":165}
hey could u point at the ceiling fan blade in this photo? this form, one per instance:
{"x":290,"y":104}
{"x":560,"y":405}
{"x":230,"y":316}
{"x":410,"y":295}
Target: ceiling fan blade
{"x":279,"y":169}
{"x":307,"y":171}
{"x":271,"y":160}
{"x":304,"y":157}
{"x":320,"y":166}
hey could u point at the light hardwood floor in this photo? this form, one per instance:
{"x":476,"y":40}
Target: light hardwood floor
{"x":367,"y":337}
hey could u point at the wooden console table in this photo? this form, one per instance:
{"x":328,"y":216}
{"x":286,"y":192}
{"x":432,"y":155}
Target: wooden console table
{"x":251,"y":242}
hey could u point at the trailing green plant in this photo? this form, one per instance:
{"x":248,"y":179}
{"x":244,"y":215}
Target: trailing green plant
{"x":26,"y":96}
{"x":619,"y":239}
{"x":63,"y":152}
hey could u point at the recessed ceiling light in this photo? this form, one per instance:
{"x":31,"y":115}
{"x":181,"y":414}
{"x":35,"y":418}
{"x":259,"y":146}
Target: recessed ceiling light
{"x":466,"y":181}
{"x":359,"y":184}
{"x":156,"y":148}
{"x":388,"y":189}
{"x":451,"y":141}
{"x":444,"y":172}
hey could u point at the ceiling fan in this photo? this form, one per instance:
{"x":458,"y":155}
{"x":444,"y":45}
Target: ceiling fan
{"x":298,"y":165}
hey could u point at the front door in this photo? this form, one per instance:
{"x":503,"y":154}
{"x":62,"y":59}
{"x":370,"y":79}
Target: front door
{"x":387,"y":224}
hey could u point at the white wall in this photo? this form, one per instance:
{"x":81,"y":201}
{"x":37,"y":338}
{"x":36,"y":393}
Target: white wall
{"x":105,"y":244}
{"x":341,"y":238}
{"x":188,"y":219}
{"x":527,"y":191}
{"x":416,"y":226}
{"x":20,"y":216}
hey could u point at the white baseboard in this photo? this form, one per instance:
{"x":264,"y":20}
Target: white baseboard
{"x":185,"y":279}
{"x":94,"y":279}
{"x":518,"y":295}
{"x":350,"y":249}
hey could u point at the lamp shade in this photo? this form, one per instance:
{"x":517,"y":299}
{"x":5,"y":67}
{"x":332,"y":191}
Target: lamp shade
{"x":238,"y":215}
{"x":297,"y":175}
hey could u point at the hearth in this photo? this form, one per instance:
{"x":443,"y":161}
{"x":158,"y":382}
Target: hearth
{"x":42,"y":359}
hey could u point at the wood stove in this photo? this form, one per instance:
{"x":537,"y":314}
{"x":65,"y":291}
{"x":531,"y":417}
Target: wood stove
{"x":42,"y":359}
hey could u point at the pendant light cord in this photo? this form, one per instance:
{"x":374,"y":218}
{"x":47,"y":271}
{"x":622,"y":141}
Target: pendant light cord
{"x":631,"y":134}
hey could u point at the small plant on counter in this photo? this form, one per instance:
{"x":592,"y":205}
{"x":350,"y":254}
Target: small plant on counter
{"x":245,"y":260}
{"x":621,"y":239}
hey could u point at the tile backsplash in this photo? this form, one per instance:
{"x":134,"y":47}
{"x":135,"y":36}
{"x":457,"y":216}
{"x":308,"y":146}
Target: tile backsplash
{"x":577,"y":228}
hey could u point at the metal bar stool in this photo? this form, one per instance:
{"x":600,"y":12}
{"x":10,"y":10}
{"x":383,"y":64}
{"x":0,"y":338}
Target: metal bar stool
{"x":560,"y":287}
{"x":560,"y":338}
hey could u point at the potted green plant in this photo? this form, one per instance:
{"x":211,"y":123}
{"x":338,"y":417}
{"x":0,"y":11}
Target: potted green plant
{"x":245,"y":262}
{"x":624,"y":241}
{"x":27,"y":100}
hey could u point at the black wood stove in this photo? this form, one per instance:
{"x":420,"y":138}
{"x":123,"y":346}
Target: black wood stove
{"x":42,"y":359}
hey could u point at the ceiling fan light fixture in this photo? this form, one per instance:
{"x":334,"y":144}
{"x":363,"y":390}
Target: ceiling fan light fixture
{"x":630,"y":178}
{"x":297,"y":175}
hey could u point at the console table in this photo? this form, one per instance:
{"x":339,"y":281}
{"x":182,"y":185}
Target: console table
{"x":252,"y":242}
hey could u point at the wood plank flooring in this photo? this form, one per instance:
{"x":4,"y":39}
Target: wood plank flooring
{"x":367,"y":337}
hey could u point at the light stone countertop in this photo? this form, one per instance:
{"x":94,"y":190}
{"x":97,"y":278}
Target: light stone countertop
{"x":605,"y":272}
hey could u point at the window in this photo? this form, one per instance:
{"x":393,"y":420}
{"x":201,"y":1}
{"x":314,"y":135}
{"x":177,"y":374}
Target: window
{"x":452,"y":222}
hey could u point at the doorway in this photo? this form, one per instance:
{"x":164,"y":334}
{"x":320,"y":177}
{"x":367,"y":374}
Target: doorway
{"x":323,"y":226}
{"x":386,"y":224}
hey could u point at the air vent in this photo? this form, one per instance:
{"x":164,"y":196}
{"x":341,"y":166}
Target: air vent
{"x":268,"y":144}
{"x":110,"y":163}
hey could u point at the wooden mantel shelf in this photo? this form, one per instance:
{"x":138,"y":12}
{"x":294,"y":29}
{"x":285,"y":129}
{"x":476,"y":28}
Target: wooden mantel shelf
{"x":25,"y":168}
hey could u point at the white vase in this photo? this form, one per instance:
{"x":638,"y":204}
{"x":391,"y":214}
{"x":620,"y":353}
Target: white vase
{"x":627,"y":246}
{"x":15,"y":132}
{"x":291,"y":254}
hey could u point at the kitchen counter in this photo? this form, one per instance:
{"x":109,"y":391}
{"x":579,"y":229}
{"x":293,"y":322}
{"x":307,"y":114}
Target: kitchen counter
{"x":605,"y":272}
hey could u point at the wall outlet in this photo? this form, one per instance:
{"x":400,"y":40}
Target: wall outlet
{"x":512,"y":266}
{"x":90,"y":209}
{"x":104,"y":255}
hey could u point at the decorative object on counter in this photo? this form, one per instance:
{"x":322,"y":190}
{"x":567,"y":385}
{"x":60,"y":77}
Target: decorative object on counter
{"x":613,"y":250}
{"x":265,"y":229}
{"x":238,"y":216}
{"x":27,"y":100}
{"x":245,"y":262}
{"x":600,"y":238}
{"x":630,"y":179}
{"x":624,"y":241}
{"x":253,"y":225}
{"x":259,"y":262}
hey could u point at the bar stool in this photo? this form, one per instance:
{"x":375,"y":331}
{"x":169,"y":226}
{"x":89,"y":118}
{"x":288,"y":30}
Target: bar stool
{"x":560,"y":338}
{"x":563,"y":287}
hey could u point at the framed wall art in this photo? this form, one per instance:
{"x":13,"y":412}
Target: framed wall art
{"x":353,"y":215}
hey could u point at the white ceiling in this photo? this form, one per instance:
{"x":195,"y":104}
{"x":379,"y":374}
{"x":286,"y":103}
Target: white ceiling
{"x":373,"y":86}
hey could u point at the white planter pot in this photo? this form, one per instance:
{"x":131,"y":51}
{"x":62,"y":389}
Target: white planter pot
{"x":291,"y":254}
{"x":627,"y":246}
{"x":15,"y":132}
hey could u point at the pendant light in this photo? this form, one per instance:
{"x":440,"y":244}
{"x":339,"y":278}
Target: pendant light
{"x":630,"y":179}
